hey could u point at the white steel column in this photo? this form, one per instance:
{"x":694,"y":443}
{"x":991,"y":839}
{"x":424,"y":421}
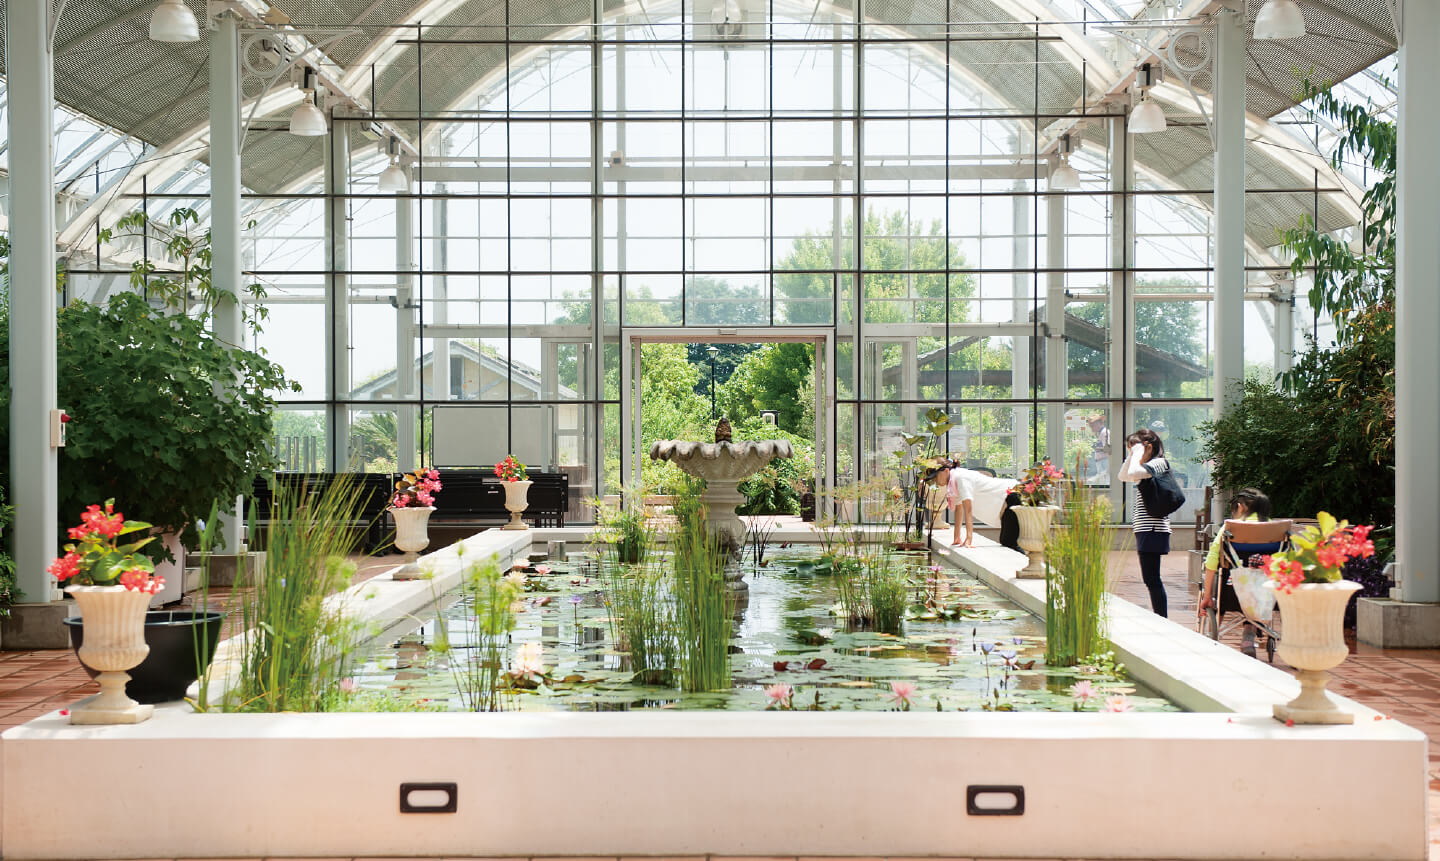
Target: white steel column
{"x":441,"y":385}
{"x":1021,"y":287}
{"x":1283,"y":335}
{"x":30,"y":81}
{"x":1229,"y":120}
{"x":1055,"y":346}
{"x":226,"y":272}
{"x":1417,"y":310}
{"x":337,"y":301}
{"x":1120,"y":346}
{"x":407,"y":375}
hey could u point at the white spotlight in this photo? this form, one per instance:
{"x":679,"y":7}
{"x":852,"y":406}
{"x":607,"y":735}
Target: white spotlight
{"x":1279,"y":19}
{"x":392,"y":178}
{"x":172,"y":21}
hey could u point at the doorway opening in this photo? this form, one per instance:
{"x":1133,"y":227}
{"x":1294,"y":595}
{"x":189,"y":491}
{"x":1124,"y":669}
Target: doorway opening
{"x":768,"y":383}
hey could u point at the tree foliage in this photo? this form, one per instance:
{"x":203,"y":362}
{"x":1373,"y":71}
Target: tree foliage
{"x":165,"y":415}
{"x":1324,"y":438}
{"x":1346,"y":279}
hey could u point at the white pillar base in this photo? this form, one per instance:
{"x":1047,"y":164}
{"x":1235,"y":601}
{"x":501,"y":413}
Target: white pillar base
{"x":1397,"y":624}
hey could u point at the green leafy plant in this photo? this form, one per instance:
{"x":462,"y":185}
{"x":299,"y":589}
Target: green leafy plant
{"x":9,"y":591}
{"x":1323,"y":439}
{"x":625,"y":529}
{"x":488,"y":597}
{"x":915,"y":463}
{"x":1347,"y":279}
{"x":184,"y":285}
{"x":163,"y":411}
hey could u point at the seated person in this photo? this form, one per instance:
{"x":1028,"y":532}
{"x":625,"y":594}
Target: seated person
{"x":1247,"y":504}
{"x":972,"y":494}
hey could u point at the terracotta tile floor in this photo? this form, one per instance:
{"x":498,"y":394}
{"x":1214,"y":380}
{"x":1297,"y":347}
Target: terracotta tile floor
{"x":1402,"y":683}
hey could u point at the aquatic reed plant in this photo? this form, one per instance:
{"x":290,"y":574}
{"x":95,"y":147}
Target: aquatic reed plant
{"x":488,"y":597}
{"x":625,"y":531}
{"x":889,"y":595}
{"x":1077,"y":556}
{"x":854,"y":598}
{"x":757,"y":540}
{"x":295,"y":646}
{"x":702,"y":618}
{"x":640,"y":608}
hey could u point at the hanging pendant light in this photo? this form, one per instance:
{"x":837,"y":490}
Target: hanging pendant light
{"x":1279,"y":19}
{"x":1064,"y":176}
{"x":172,"y":21}
{"x":1147,"y":118}
{"x":393,"y":178}
{"x":308,"y":121}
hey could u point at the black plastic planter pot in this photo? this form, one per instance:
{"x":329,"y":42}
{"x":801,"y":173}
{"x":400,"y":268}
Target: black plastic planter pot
{"x":174,"y":637}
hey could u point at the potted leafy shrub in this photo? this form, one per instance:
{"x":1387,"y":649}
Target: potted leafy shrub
{"x":162,"y":409}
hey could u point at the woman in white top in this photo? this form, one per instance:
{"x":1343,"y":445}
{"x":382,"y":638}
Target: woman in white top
{"x":973,"y":495}
{"x":1152,"y":534}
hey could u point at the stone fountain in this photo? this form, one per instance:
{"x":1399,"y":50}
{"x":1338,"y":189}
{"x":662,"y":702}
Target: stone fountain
{"x":723,"y":464}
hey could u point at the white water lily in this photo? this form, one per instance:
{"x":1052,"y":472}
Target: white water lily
{"x":529,"y":660}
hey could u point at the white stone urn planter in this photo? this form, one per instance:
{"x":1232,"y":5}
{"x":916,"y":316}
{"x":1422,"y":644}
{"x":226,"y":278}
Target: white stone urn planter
{"x":412,"y":534}
{"x":517,"y":499}
{"x":1313,"y":642}
{"x":114,"y":621}
{"x":1034,"y":527}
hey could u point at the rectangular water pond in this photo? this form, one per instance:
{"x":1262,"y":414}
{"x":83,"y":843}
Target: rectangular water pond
{"x":963,"y":647}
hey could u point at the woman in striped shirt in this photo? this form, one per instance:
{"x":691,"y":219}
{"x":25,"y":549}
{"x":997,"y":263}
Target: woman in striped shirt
{"x":1152,"y":534}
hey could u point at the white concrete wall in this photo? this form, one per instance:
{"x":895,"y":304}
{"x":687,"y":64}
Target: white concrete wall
{"x":1202,"y":785}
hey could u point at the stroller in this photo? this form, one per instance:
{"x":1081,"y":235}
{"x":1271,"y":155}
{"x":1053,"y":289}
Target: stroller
{"x":1240,"y":580}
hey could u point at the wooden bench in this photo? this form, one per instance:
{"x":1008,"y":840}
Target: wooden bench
{"x":374,"y":489}
{"x":475,"y":497}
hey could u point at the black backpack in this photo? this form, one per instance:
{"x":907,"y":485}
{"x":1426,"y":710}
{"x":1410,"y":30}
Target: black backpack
{"x":1162,"y":494}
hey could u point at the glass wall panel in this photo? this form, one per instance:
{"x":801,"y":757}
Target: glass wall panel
{"x":774,"y":166}
{"x":300,"y":435}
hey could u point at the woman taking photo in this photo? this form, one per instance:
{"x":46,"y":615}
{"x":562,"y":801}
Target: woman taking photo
{"x":1152,"y":534}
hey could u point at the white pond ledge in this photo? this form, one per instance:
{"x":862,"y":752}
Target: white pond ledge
{"x":1224,"y":784}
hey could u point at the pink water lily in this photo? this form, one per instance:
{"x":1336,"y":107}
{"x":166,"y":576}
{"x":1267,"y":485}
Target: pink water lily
{"x":1084,"y":691}
{"x":1118,"y":703}
{"x":779,"y":696}
{"x":901,"y":693}
{"x":348,"y":686}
